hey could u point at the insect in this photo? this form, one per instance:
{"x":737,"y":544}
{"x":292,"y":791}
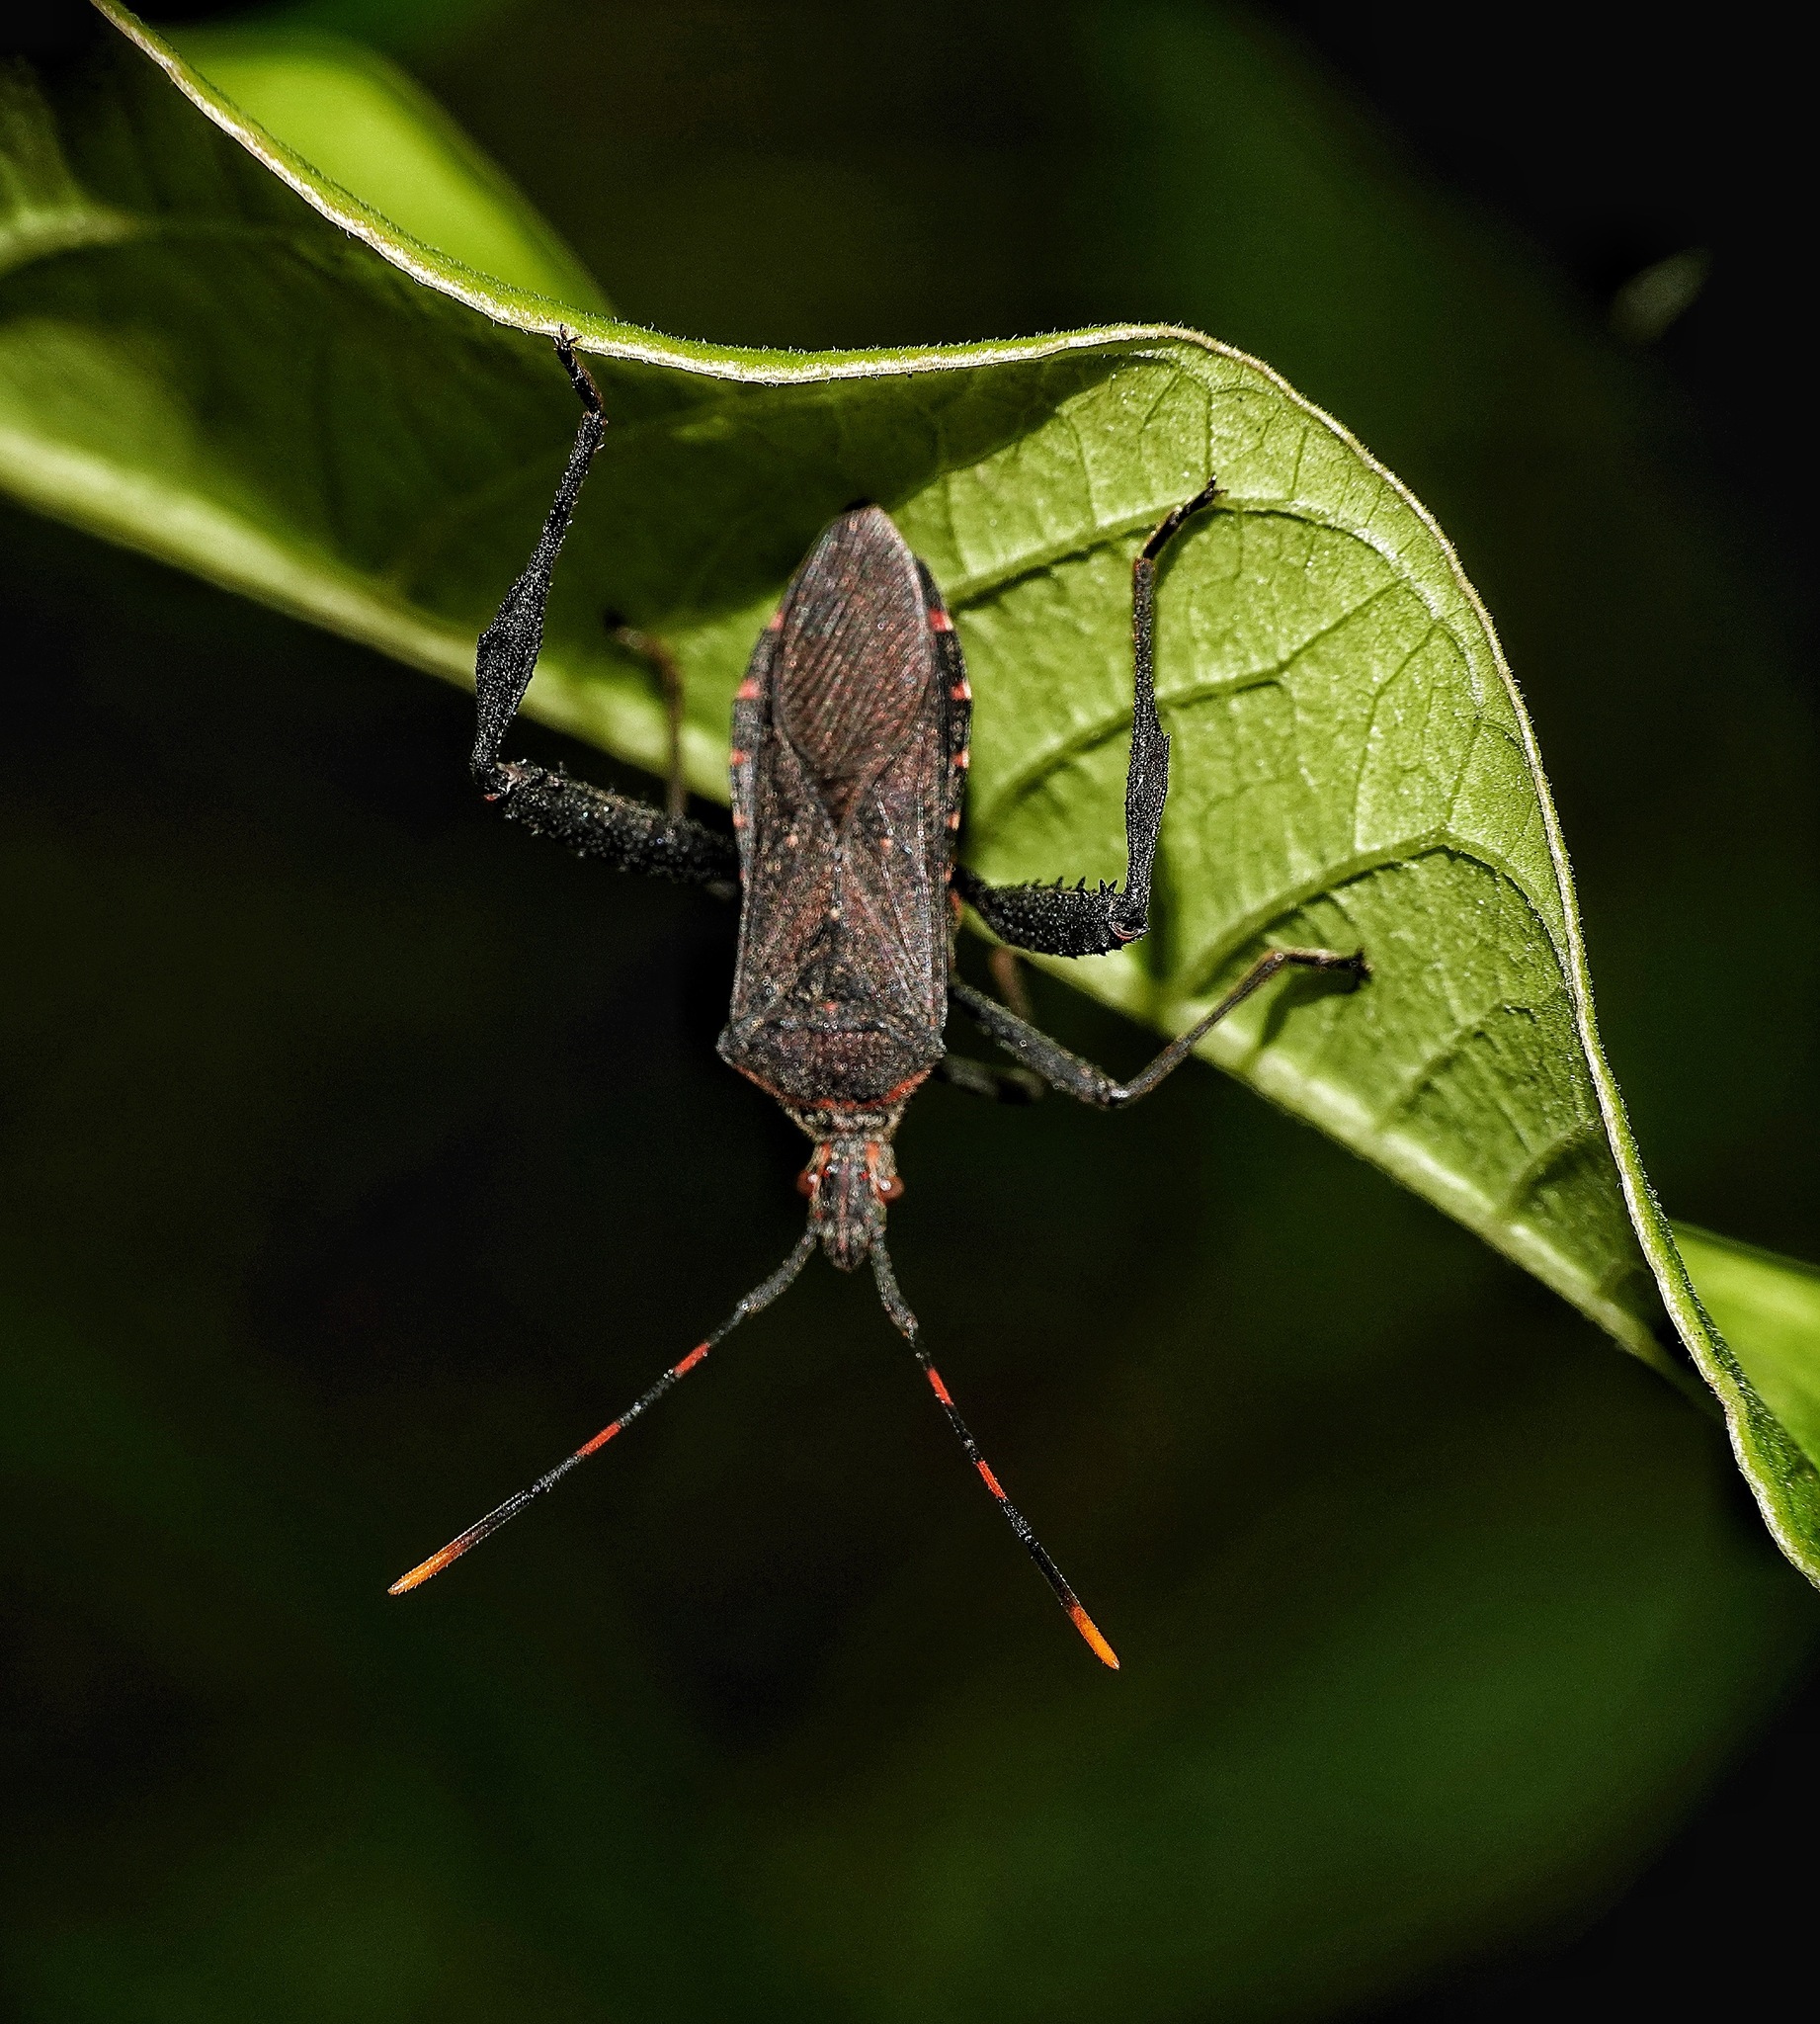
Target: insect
{"x":849,"y":770}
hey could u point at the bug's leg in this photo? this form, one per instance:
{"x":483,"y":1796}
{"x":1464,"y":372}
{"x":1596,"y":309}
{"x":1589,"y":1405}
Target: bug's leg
{"x":629,"y":835}
{"x":1008,"y":980}
{"x":507,"y":653}
{"x":1062,"y":920}
{"x":624,"y":832}
{"x":669,"y":671}
{"x":1079,"y":1078}
{"x":986,"y":1078}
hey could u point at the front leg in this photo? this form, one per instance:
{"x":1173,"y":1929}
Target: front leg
{"x":507,"y":653}
{"x":1063,"y":920}
{"x":1081,"y":1079}
{"x":624,"y":832}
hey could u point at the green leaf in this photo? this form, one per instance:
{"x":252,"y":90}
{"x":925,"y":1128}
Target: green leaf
{"x":366,"y":125}
{"x":1769,"y":1309}
{"x":214,"y":354}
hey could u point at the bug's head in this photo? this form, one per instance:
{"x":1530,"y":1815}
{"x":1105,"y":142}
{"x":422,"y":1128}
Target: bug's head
{"x":849,"y":1181}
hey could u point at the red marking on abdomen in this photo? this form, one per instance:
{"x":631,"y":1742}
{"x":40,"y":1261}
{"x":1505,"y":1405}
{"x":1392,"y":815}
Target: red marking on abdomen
{"x":688,"y":1362}
{"x":747,"y":692}
{"x":737,"y":758}
{"x":775,"y":624}
{"x":940,"y":621}
{"x":599,"y":1440}
{"x":960,"y":693}
{"x":938,"y":1388}
{"x":991,"y":1482}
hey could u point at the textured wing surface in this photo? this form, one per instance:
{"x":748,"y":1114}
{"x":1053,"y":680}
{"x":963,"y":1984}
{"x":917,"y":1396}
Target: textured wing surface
{"x":854,"y":657}
{"x":845,"y":773}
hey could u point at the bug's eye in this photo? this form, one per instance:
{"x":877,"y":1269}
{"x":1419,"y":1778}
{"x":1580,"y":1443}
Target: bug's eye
{"x":888,"y":1191}
{"x":806,"y":1183}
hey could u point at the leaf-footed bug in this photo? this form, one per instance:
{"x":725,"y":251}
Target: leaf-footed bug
{"x":848,"y":772}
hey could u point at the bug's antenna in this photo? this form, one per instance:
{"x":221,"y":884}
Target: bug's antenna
{"x":905,"y":1322}
{"x":760,"y":1296}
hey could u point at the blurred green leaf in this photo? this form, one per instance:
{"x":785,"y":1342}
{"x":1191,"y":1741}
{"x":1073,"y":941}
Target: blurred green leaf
{"x":363,"y":124}
{"x":1769,"y":1309}
{"x":212,"y":354}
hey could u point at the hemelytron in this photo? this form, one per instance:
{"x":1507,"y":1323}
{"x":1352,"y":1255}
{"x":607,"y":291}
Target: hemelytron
{"x":849,"y":773}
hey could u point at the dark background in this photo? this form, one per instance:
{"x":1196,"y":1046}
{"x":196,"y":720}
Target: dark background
{"x":327,"y":1103}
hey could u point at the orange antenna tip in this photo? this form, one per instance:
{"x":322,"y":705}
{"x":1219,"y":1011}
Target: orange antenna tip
{"x":421,"y":1574}
{"x":455,"y":1548}
{"x":1089,"y":1629}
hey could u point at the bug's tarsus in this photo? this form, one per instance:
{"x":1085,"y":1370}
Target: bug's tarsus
{"x":906,"y":1325}
{"x":759,"y":1297}
{"x":1082,"y":1079}
{"x":586,"y":392}
{"x":1174,"y":519}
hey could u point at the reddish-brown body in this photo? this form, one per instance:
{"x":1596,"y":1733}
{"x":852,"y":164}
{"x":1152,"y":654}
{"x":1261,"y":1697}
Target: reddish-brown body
{"x":848,"y":766}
